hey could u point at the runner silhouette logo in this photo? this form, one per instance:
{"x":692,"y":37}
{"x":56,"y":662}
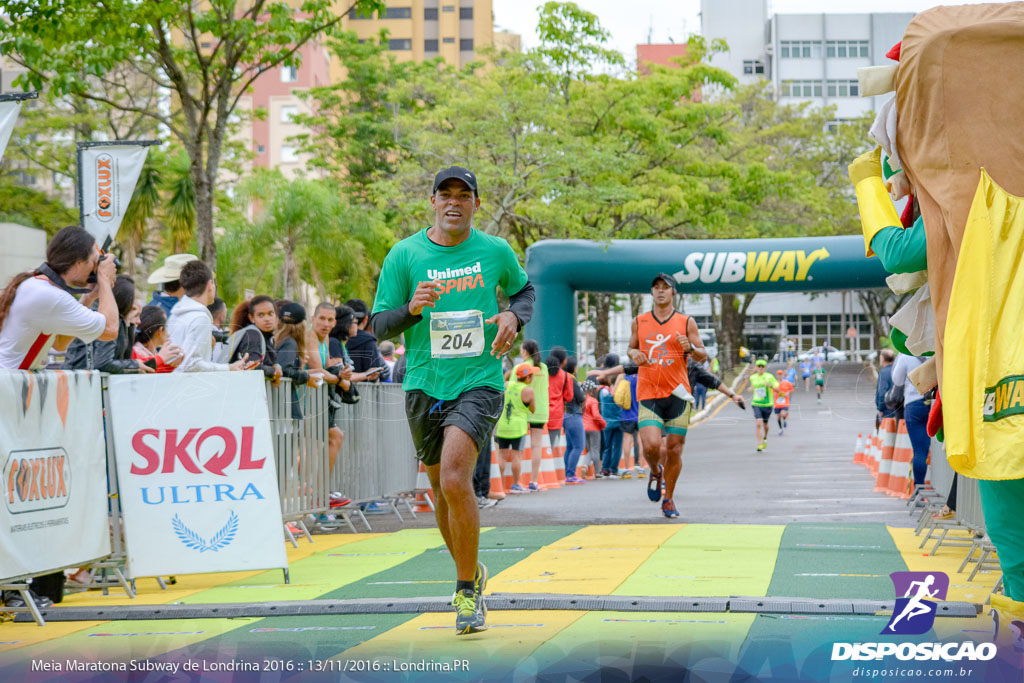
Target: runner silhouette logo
{"x":916,"y":596}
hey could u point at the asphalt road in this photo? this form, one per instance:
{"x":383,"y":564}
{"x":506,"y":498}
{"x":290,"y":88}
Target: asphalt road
{"x":806,"y":475}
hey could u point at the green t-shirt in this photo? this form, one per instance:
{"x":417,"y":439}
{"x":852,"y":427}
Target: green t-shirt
{"x":470,"y":274}
{"x":819,"y":375}
{"x":761,"y":383}
{"x":513,"y":421}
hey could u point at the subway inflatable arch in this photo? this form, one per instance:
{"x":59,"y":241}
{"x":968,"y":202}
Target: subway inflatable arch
{"x":560,"y":268}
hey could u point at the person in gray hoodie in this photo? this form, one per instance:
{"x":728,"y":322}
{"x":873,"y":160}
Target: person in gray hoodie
{"x":190,"y":323}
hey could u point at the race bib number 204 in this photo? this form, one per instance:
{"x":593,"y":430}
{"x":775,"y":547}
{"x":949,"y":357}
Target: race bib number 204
{"x":456,"y":334}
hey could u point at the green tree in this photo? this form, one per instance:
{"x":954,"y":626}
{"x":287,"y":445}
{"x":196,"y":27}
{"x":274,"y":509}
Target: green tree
{"x":207,"y":54}
{"x":32,"y":208}
{"x":305,"y":233}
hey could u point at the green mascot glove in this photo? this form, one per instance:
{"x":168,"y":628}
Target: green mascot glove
{"x":876,"y":209}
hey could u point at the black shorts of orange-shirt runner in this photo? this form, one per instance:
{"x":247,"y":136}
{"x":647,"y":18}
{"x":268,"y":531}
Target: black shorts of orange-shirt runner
{"x":474,"y":411}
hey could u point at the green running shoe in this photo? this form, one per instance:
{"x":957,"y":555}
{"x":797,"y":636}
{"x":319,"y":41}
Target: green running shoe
{"x":471,"y":615}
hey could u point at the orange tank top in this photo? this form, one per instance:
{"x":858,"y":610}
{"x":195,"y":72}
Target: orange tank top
{"x":667,"y":368}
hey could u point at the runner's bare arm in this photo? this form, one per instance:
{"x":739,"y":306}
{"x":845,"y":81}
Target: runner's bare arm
{"x":635,"y":354}
{"x":697,"y":351}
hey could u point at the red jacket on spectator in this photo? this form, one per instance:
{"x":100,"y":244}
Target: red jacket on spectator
{"x":141,"y":353}
{"x":559,"y":393}
{"x":592,"y":420}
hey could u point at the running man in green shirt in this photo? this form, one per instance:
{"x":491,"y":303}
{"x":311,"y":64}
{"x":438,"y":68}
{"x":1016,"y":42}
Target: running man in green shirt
{"x":761,"y":382}
{"x":819,"y":380}
{"x":439,"y":288}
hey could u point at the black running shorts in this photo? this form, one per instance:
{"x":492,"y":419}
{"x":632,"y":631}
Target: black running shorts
{"x":475,"y":411}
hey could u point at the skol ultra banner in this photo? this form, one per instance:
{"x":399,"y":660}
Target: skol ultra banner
{"x":196,"y":474}
{"x":107,"y":173}
{"x":54,"y":471}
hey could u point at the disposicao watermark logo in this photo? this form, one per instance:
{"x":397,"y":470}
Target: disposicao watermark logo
{"x":914,"y":613}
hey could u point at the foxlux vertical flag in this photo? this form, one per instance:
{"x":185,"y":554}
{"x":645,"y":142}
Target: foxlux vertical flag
{"x":197,"y":483}
{"x":54,"y":511}
{"x":107,"y":173}
{"x":10,"y":107}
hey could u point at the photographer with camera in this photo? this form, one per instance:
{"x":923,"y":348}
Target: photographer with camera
{"x":114,"y":357}
{"x":38,"y":309}
{"x":190,"y":323}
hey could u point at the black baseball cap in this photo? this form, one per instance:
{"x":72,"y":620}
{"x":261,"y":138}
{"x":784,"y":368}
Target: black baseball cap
{"x":463,"y":174}
{"x":293,"y":313}
{"x":667,"y":279}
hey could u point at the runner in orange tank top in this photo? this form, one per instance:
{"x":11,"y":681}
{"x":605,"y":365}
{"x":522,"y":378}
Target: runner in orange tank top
{"x":659,"y":345}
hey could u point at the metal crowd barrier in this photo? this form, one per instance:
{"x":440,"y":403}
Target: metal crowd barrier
{"x":377,"y":459}
{"x":300,"y":450}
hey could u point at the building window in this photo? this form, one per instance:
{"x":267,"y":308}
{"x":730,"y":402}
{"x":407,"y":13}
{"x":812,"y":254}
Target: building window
{"x":447,"y":41}
{"x":430,"y":13}
{"x":288,"y":112}
{"x":844,"y":49}
{"x":289,"y":155}
{"x":465,"y":13}
{"x":834,"y":125}
{"x":448,"y":8}
{"x":753,"y":66}
{"x":801,"y":88}
{"x":800,"y":49}
{"x":430,"y":45}
{"x":400,"y":44}
{"x":260,"y":149}
{"x":397,"y":13}
{"x":355,"y":14}
{"x":289,"y":74}
{"x":843,"y":88}
{"x":466,"y":45}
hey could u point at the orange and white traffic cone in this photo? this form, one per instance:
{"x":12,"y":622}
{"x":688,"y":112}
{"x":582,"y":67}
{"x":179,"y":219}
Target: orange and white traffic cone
{"x":903,"y":456}
{"x":558,"y":458}
{"x":548,"y":478}
{"x":885,"y":464}
{"x":497,"y":491}
{"x":858,"y":451}
{"x":424,"y":492}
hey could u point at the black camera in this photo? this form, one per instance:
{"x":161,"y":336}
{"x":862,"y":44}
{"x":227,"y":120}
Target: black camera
{"x":220,"y":336}
{"x":103,"y":257}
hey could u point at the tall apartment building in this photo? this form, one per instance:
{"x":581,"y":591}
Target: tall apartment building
{"x":417,"y":30}
{"x":805,"y":56}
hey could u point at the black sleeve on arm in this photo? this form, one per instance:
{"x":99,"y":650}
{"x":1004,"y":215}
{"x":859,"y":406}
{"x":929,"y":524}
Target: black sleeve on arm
{"x":521,"y":303}
{"x":390,"y":324}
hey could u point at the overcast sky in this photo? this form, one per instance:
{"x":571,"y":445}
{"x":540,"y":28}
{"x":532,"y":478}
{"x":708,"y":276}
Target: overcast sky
{"x":662,"y":21}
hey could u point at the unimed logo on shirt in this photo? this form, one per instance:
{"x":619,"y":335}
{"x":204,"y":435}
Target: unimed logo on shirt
{"x":458,"y":279}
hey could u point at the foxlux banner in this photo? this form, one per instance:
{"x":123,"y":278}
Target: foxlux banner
{"x":54,"y":513}
{"x":196,"y":473}
{"x":107,"y":173}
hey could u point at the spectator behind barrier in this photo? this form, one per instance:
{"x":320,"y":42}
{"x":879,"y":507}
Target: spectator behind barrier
{"x":886,"y":358}
{"x":219,"y":310}
{"x":151,"y":341}
{"x":362,"y":346}
{"x":190,"y":322}
{"x":387,"y":352}
{"x":290,"y":342}
{"x":168,"y":276}
{"x":114,"y":356}
{"x":38,"y":309}
{"x":252,"y":334}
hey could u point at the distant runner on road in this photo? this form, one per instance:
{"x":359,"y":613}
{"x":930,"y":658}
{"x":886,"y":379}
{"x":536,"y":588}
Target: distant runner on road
{"x":454,"y":383}
{"x":762,"y":383}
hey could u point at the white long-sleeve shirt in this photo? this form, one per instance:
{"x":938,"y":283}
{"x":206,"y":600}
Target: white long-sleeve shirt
{"x":900,"y":375}
{"x":190,"y":326}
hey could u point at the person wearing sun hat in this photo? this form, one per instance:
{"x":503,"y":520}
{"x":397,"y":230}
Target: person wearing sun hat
{"x":167,"y":276}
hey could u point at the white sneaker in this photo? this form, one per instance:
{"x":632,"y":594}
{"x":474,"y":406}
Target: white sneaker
{"x":484,"y":503}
